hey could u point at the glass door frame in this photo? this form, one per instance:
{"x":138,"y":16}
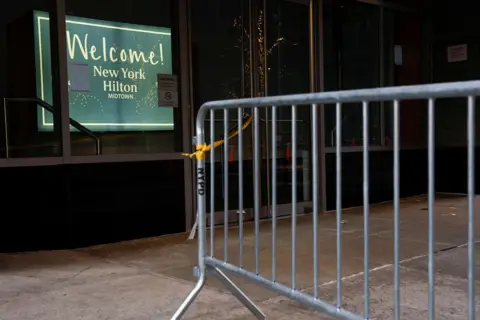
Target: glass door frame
{"x":184,"y":25}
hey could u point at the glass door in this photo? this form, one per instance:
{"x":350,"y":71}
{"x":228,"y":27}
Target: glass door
{"x":222,"y":38}
{"x":259,"y":48}
{"x":287,"y":71}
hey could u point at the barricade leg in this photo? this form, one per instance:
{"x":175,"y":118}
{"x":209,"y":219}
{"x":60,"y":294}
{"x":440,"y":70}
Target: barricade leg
{"x":237,"y":292}
{"x":201,"y":225}
{"x":190,"y":298}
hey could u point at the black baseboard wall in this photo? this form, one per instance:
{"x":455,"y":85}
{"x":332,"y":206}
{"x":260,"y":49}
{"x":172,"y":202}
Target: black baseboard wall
{"x":451,"y":170}
{"x":70,"y":206}
{"x":413,"y":176}
{"x":450,"y":174}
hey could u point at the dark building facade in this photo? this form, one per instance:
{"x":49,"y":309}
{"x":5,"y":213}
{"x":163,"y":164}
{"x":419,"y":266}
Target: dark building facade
{"x":92,"y":135}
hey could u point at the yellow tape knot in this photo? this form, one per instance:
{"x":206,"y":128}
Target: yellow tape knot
{"x":201,"y":150}
{"x":199,"y":154}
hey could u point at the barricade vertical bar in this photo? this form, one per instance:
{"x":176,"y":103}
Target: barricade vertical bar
{"x":366,"y":209}
{"x":396,"y":207}
{"x":240,"y":187}
{"x":431,"y":212}
{"x":212,"y":183}
{"x":225,"y":184}
{"x":315,"y":156}
{"x":274,"y":194}
{"x":256,"y":182}
{"x":202,"y":212}
{"x":338,"y":179}
{"x":471,"y":208}
{"x":294,"y":196}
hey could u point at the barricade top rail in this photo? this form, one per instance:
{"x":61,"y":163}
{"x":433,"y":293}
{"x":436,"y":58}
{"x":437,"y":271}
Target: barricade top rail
{"x":437,"y":90}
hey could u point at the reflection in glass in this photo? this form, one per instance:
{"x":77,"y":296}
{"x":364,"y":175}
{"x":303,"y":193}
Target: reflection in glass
{"x":268,"y":56}
{"x":389,"y":68}
{"x":288,"y":73}
{"x":352,"y":46}
{"x":221,"y":70}
{"x":20,"y":134}
{"x":22,"y":139}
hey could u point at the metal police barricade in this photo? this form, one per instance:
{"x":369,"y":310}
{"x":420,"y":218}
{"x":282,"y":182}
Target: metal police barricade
{"x":210,"y":265}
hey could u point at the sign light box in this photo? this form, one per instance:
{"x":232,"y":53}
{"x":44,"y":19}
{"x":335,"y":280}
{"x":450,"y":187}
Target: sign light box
{"x":112,"y":69}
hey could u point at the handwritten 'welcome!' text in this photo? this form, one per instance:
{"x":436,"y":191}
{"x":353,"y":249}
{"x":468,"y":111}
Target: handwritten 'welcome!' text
{"x":109,"y":53}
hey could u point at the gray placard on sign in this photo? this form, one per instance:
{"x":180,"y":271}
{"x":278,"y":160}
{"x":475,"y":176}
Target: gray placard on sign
{"x":79,"y":75}
{"x":167,"y":90}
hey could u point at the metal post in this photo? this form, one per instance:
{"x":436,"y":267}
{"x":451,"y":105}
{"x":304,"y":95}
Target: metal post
{"x":256,"y":184}
{"x":212,"y":184}
{"x":294,"y":196}
{"x":184,"y":27}
{"x":58,"y":45}
{"x":225,"y":184}
{"x":274,"y":195}
{"x":396,"y":206}
{"x":338,"y":179}
{"x":366,"y":212}
{"x":202,"y":212}
{"x":316,"y":195}
{"x":240,"y":187}
{"x":431,"y":208}
{"x":471,"y":209}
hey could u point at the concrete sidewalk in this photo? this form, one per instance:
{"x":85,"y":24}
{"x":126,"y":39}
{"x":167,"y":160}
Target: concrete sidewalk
{"x":148,"y":279}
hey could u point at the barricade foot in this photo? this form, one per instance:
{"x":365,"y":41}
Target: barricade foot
{"x":239,"y":294}
{"x":190,"y":298}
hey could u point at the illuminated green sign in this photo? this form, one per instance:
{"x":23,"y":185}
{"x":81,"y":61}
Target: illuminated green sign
{"x":112,"y":71}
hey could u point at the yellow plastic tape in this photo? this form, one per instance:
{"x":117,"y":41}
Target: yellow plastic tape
{"x":202,"y":149}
